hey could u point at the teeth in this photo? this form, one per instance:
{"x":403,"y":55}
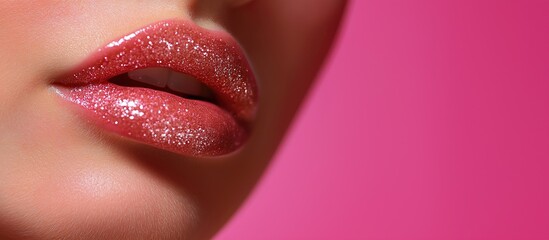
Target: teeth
{"x":153,"y":76}
{"x":176,"y":81}
{"x":186,"y":84}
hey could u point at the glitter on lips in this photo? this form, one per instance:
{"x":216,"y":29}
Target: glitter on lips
{"x":186,"y":126}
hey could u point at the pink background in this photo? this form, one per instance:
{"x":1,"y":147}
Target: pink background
{"x":430,"y":121}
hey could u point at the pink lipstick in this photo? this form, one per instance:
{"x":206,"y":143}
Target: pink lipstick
{"x":172,"y":85}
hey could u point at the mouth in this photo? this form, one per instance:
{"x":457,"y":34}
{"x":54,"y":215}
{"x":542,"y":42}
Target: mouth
{"x":171,"y":85}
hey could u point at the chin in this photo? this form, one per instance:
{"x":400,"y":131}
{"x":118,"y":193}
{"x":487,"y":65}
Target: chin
{"x":100,"y":202}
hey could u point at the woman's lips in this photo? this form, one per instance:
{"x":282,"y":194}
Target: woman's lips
{"x":170,"y":122}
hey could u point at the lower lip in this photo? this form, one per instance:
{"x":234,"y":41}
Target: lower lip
{"x":160,"y":119}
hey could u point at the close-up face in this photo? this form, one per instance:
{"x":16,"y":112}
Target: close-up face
{"x":147,"y":119}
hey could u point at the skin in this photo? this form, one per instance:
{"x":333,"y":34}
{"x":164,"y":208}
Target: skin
{"x":63,"y":178}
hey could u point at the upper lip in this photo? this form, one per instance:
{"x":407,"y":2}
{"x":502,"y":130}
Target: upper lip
{"x":212,"y":57}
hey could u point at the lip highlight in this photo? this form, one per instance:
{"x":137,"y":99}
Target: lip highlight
{"x":181,"y":125}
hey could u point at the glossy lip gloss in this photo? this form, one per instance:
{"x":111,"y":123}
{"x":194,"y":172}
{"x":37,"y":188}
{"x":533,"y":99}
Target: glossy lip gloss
{"x":181,"y":125}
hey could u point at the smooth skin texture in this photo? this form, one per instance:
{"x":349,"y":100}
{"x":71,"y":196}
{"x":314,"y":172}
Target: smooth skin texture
{"x":63,"y":178}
